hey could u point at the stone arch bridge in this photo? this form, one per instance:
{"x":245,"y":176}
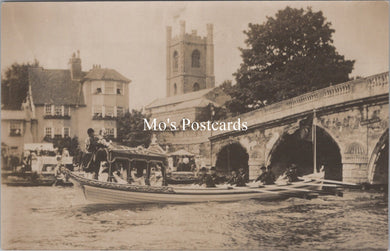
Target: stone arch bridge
{"x":350,"y":124}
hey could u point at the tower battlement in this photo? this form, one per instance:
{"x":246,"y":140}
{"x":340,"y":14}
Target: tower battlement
{"x":190,"y":61}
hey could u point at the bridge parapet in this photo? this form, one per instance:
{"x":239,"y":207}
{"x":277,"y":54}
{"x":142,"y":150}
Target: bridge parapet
{"x":348,"y":92}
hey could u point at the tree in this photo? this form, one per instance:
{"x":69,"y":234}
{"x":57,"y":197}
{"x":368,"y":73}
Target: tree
{"x":290,"y":54}
{"x":72,"y":144}
{"x":14,"y":85}
{"x":130,"y":129}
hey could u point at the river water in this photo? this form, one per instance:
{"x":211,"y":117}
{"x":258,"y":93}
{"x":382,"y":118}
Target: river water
{"x":60,"y":218}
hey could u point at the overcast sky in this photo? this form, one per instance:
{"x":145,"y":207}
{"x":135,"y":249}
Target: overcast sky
{"x":130,"y":36}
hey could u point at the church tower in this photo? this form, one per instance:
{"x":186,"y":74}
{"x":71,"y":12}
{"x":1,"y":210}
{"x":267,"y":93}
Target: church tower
{"x":190,"y":61}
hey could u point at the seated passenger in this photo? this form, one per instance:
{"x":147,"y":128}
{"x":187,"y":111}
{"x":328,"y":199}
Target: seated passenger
{"x":292,"y":174}
{"x":118,"y":178}
{"x":261,"y":177}
{"x":206,"y":179}
{"x":269,"y":177}
{"x":236,"y":179}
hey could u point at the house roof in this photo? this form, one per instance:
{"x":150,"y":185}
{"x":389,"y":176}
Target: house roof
{"x":105,"y":74}
{"x":13,"y":114}
{"x":178,"y":99}
{"x":200,"y":102}
{"x":54,"y":87}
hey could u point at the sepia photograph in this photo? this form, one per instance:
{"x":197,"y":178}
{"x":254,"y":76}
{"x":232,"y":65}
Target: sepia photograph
{"x":195,"y":125}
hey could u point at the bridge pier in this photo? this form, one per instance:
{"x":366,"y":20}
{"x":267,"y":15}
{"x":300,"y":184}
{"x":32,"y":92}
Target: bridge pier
{"x":355,"y":168}
{"x":254,"y":167}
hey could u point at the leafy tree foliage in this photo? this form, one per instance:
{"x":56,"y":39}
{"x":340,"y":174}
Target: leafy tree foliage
{"x":130,"y":129}
{"x":290,"y":54}
{"x":72,"y":144}
{"x":14,"y":85}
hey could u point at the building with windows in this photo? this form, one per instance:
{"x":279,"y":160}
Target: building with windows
{"x":190,"y":61}
{"x":190,"y":86}
{"x":65,"y":103}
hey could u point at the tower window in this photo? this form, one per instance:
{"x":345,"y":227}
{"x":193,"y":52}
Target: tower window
{"x":175,"y":61}
{"x":196,"y":59}
{"x":195,"y":87}
{"x":175,"y":89}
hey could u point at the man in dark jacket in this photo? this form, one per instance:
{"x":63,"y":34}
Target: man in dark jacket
{"x":207,"y":179}
{"x":97,"y":150}
{"x":262,"y":175}
{"x":292,"y":173}
{"x":266,"y":177}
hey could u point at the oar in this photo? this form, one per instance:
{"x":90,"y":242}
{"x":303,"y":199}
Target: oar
{"x":337,"y":182}
{"x":322,"y":185}
{"x":259,"y":190}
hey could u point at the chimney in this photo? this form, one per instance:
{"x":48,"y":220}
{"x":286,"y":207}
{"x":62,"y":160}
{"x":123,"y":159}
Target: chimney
{"x":75,"y":66}
{"x":182,"y":28}
{"x":209,"y":33}
{"x":169,"y":34}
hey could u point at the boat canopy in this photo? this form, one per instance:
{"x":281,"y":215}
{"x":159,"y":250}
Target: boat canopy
{"x":134,"y":155}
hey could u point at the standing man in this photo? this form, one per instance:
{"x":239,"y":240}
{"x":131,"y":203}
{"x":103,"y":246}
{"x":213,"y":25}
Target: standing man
{"x":97,"y":150}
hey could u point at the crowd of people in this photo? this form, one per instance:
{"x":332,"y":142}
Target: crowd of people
{"x":238,"y":178}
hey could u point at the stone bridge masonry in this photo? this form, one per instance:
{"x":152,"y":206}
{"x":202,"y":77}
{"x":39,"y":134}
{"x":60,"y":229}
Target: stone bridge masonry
{"x":354,"y":115}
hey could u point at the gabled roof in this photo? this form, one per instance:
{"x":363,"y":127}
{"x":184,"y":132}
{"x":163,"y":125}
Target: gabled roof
{"x":178,"y":99}
{"x":54,"y":87}
{"x":105,"y":74}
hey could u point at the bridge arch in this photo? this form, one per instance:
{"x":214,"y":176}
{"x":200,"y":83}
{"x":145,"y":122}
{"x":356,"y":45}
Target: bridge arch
{"x":296,"y":146}
{"x":232,"y":156}
{"x":378,"y":165}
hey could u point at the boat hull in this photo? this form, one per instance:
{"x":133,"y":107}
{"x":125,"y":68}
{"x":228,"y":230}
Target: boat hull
{"x":107,"y":196}
{"x":119,"y":194}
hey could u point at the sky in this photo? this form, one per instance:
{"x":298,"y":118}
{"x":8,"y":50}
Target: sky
{"x":130,"y":37}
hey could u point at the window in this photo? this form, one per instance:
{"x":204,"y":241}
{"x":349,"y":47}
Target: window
{"x":119,"y":111}
{"x":119,"y":88}
{"x":195,"y":87}
{"x":109,"y":111}
{"x":48,"y":132}
{"x":195,"y":59}
{"x":109,"y":88}
{"x":97,"y":110}
{"x":110,"y":132}
{"x":96,"y":88}
{"x":175,"y":61}
{"x":47,"y":109}
{"x":174,"y":89}
{"x":57,"y":132}
{"x":16,"y":128}
{"x":66,"y":110}
{"x":58,"y":110}
{"x":66,"y":132}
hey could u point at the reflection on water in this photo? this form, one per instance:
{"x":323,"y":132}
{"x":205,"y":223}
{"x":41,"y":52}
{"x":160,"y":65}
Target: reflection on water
{"x":60,"y":218}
